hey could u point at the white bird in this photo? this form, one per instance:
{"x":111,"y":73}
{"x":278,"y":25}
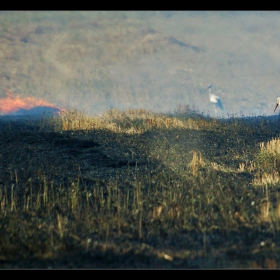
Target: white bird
{"x":277,"y":103}
{"x":214,"y":99}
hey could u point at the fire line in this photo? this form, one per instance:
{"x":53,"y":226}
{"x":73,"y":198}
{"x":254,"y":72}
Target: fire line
{"x":11,"y":104}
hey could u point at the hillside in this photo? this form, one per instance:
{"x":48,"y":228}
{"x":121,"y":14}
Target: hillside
{"x":94,"y":61}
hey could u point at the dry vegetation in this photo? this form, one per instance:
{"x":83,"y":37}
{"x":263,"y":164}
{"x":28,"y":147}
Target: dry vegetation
{"x":128,"y":121}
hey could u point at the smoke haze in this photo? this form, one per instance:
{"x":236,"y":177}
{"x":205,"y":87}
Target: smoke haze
{"x":94,"y":61}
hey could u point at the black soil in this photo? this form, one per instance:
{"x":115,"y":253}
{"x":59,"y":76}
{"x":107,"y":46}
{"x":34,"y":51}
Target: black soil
{"x":28,"y":148}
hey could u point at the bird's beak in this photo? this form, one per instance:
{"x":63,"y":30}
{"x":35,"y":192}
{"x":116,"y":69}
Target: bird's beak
{"x":275,"y":107}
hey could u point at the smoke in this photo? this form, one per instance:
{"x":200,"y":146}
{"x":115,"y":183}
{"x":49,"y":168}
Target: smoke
{"x":94,"y":61}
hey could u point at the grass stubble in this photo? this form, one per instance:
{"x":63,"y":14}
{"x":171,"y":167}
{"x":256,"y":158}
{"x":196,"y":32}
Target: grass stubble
{"x":206,"y":195}
{"x":150,"y":190}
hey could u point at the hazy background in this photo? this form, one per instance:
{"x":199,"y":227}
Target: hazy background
{"x":93,"y":61}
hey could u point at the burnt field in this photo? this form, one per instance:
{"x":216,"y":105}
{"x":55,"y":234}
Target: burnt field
{"x":139,"y":190}
{"x":142,"y":185}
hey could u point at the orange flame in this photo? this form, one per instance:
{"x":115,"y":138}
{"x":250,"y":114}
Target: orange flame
{"x":11,"y":104}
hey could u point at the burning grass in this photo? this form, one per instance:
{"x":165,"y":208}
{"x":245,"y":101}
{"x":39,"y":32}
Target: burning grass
{"x":167,"y":196}
{"x":14,"y":104}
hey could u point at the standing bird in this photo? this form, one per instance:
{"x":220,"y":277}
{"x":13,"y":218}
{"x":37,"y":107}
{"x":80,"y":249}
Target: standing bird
{"x":277,"y":103}
{"x":214,"y":99}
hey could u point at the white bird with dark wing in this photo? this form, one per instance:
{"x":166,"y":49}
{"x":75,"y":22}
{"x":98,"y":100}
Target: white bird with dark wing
{"x":214,"y":99}
{"x":277,"y":103}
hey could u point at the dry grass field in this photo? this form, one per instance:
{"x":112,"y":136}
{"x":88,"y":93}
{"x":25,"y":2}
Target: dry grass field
{"x":134,"y":173}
